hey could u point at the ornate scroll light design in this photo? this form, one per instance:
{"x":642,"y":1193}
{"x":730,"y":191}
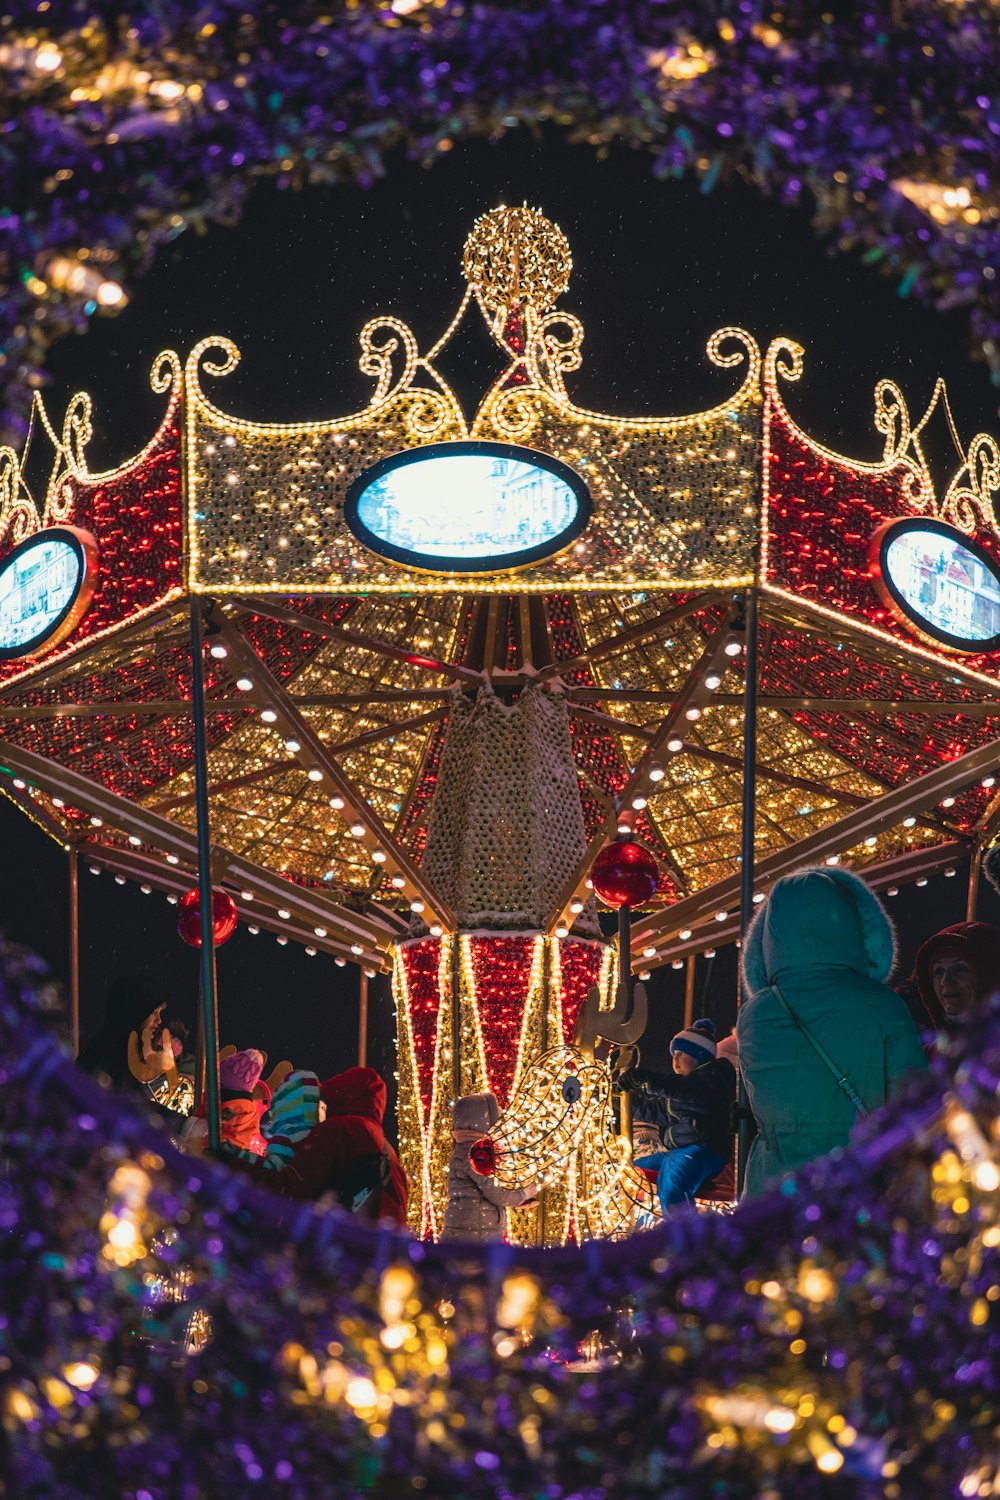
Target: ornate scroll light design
{"x":428,"y":413}
{"x":967,"y":501}
{"x":559,"y":1127}
{"x":21,"y":515}
{"x":701,"y":502}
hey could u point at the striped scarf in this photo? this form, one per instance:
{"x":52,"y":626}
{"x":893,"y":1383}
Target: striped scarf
{"x":293,"y":1113}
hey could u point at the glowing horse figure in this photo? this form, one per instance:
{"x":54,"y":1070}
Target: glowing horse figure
{"x":559,"y":1125}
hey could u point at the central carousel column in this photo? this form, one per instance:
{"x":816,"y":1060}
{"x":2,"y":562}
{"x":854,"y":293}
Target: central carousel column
{"x":505,"y":833}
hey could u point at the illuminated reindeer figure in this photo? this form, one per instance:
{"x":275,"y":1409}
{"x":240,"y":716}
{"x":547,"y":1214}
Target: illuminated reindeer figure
{"x":559,"y":1125}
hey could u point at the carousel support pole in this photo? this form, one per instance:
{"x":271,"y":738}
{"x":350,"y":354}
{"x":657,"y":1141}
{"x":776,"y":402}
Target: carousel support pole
{"x":363,"y":1019}
{"x":975,"y":865}
{"x":209,"y":1008}
{"x":74,"y":945}
{"x":689,"y":991}
{"x":748,"y":830}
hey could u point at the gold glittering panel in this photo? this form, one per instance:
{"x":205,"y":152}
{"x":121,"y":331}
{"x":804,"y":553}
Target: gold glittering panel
{"x":675,"y":499}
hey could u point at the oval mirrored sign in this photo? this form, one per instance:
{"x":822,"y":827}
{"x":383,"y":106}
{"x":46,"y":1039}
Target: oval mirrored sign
{"x":941,"y":584}
{"x":46,"y":584}
{"x":471,"y":507}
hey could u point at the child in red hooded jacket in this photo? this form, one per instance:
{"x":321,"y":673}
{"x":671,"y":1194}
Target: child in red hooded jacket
{"x":347,"y":1153}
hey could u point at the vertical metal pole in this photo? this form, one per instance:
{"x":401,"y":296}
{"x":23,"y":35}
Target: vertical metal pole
{"x":74,"y":946}
{"x":363,"y":1020}
{"x":748,"y":831}
{"x":975,"y":865}
{"x":689,"y":991}
{"x":209,"y":1000}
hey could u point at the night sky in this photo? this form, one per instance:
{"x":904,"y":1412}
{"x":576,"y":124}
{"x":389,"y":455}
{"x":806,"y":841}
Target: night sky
{"x":657,"y":267}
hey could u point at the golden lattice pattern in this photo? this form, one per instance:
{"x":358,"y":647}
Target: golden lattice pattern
{"x":697,"y":806}
{"x":263,"y":805}
{"x":515,"y":255}
{"x":506,"y":826}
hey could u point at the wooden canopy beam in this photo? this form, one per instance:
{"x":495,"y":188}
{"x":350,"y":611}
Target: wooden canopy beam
{"x":172,"y":880}
{"x":373,"y":929}
{"x":118,"y":709}
{"x":869,"y":705}
{"x":642,"y":630}
{"x":164,"y":620}
{"x":621,"y":727}
{"x":707,"y":931}
{"x":881,"y":812}
{"x":770,"y":773}
{"x":277,"y":767}
{"x":314,"y":756}
{"x":313,"y":626}
{"x":898,"y":655}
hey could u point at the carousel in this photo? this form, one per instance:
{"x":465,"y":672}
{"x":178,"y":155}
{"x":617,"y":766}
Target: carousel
{"x":428,"y":690}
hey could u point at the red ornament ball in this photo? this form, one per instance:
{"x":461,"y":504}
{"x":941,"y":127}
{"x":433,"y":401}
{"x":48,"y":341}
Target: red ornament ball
{"x":483,"y":1157}
{"x":625,"y":874}
{"x":224,"y":918}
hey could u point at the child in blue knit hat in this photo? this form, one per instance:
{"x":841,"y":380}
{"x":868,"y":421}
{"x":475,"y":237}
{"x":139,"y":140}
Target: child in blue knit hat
{"x":681,"y":1121}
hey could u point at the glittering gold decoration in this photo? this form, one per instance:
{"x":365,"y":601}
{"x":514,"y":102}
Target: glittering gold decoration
{"x":179,"y":1099}
{"x":673,"y":498}
{"x":517,"y":256}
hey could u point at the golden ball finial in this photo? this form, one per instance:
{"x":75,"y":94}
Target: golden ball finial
{"x":517,"y":254}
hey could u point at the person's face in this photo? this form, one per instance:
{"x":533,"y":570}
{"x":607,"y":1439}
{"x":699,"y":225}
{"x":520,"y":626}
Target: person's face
{"x":684,"y":1063}
{"x":955,"y":985}
{"x":322,"y":1110}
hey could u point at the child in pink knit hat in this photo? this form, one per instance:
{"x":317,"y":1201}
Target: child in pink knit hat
{"x":239,"y":1075}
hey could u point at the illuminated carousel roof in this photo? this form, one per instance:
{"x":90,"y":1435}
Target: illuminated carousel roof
{"x":334,"y":663}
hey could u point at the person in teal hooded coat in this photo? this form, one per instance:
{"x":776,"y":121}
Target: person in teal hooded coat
{"x":823,"y":941}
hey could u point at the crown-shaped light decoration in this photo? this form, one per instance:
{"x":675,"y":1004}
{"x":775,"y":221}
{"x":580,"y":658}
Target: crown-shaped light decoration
{"x":675,"y":501}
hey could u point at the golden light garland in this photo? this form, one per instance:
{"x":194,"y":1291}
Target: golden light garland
{"x":558,"y":1131}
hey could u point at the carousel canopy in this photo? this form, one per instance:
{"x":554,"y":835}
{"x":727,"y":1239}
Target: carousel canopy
{"x":360,"y":575}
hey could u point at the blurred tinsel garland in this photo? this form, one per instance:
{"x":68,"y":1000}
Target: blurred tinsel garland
{"x":120,"y":127}
{"x":167,"y":1332}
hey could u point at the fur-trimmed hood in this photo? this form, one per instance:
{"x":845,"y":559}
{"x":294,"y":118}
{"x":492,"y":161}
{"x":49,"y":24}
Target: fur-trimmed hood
{"x":818,"y":917}
{"x":475,"y":1112}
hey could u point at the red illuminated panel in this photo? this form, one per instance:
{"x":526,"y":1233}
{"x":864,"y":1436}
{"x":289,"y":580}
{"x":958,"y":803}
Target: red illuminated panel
{"x":580,"y":964}
{"x":135,"y":517}
{"x":822,"y":516}
{"x":501,"y":973}
{"x":420,"y":963}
